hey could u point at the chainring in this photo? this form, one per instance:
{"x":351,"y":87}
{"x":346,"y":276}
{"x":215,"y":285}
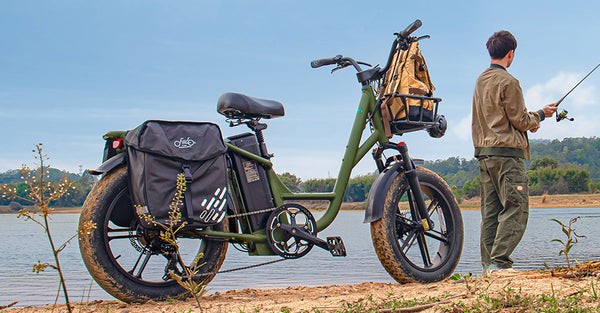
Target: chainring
{"x":281,"y":241}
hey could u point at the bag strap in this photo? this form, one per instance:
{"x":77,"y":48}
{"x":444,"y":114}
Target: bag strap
{"x":187,"y":174}
{"x":385,"y":115}
{"x":398,"y":72}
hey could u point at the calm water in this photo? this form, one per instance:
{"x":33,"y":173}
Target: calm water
{"x":24,"y":243}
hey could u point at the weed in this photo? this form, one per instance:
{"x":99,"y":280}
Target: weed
{"x":593,"y":290}
{"x":472,"y":284}
{"x":169,"y":234}
{"x":572,"y":238}
{"x":41,"y":193}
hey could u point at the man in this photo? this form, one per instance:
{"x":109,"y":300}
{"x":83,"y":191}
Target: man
{"x":500,"y":124}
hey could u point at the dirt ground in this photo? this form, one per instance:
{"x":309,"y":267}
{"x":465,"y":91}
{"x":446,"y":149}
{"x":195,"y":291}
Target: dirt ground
{"x":550,"y":201}
{"x":334,"y":298}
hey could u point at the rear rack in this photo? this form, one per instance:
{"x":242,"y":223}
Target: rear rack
{"x":423,"y":121}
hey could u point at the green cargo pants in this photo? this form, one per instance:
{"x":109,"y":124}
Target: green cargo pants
{"x":504,"y":208}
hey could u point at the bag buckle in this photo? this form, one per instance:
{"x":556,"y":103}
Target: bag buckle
{"x":187,"y":173}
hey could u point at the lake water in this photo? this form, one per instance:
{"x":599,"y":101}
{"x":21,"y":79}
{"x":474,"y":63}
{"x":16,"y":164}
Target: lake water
{"x":23,"y":243}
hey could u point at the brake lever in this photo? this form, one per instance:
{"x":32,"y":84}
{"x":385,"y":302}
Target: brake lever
{"x":339,"y":67}
{"x":404,"y":43}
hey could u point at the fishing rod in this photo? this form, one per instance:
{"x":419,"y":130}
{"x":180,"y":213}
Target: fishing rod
{"x":563,"y":114}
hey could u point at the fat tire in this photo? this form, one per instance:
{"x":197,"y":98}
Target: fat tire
{"x":384,"y":232}
{"x":102,"y":264}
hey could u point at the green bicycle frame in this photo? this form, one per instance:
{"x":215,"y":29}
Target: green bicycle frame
{"x":355,"y":151}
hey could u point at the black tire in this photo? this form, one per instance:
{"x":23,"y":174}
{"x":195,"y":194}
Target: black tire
{"x":407,"y":252}
{"x":111,"y":250}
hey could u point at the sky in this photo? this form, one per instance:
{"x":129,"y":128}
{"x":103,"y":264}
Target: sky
{"x":71,"y":71}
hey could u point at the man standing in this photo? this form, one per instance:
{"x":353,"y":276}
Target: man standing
{"x":500,"y":124}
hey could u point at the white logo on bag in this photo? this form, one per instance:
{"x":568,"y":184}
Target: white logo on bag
{"x":184,"y":143}
{"x":214,"y":210}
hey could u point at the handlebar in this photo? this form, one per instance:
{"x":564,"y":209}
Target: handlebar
{"x":410,"y":29}
{"x":325,"y":61}
{"x":402,"y":41}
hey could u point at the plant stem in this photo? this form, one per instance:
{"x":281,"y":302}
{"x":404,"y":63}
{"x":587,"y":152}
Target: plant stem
{"x":58,"y":268}
{"x":44,"y":209}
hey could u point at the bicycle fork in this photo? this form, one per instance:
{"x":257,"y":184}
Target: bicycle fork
{"x":415,"y":187}
{"x":413,"y":181}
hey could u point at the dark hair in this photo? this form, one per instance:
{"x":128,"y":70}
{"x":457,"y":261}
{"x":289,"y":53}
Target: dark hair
{"x":500,"y":43}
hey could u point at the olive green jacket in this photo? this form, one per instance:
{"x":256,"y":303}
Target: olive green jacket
{"x":500,"y":118}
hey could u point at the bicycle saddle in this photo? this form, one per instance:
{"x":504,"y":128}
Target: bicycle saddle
{"x":236,"y":105}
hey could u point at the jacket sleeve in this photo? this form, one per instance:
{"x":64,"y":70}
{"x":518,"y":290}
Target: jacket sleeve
{"x":515,"y":109}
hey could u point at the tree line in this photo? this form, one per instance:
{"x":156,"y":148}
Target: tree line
{"x":82,"y":184}
{"x":557,"y":167}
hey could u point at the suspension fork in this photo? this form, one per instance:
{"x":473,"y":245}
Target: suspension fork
{"x":413,"y":179}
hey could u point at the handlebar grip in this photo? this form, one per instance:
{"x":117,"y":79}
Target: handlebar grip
{"x":411,"y":28}
{"x":326,"y":61}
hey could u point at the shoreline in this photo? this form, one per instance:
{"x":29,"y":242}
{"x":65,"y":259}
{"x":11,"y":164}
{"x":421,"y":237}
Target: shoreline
{"x":585,"y":200}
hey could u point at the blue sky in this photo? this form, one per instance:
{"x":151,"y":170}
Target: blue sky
{"x":72,"y":70}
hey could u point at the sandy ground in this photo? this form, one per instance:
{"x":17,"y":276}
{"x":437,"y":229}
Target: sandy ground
{"x":334,"y":298}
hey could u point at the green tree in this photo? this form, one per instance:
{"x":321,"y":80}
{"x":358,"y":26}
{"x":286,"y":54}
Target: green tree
{"x":543,"y":162}
{"x":358,"y":188}
{"x":291,"y":181}
{"x":546,"y":175}
{"x":471,"y":188}
{"x":319,"y":185}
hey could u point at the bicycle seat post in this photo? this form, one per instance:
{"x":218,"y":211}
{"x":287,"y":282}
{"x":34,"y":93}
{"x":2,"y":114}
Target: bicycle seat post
{"x":257,"y":128}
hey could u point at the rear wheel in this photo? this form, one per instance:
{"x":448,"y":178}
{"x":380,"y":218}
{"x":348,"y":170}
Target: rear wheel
{"x":131,"y":262}
{"x":407,"y":251}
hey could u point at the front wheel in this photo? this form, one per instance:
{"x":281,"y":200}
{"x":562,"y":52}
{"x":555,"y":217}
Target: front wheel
{"x":407,"y":251}
{"x":131,"y":262}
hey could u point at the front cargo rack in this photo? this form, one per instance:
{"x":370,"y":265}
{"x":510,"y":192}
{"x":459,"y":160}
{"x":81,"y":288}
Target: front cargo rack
{"x":416,"y":116}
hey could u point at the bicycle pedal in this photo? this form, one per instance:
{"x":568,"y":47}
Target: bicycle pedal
{"x":336,"y":246}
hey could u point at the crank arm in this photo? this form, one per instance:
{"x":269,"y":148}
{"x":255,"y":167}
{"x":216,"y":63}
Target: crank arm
{"x":334,"y":245}
{"x":302,"y":234}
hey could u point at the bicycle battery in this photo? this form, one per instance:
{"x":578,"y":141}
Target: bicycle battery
{"x":253,"y":183}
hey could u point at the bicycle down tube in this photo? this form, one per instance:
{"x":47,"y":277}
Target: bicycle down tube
{"x":355,"y":151}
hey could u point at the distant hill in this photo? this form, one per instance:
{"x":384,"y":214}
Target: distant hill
{"x":580,"y":152}
{"x":75,"y":197}
{"x":14,"y":176}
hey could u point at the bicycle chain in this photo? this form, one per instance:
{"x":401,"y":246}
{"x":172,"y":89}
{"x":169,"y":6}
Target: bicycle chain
{"x":252,"y":213}
{"x":248,"y":266}
{"x":240,"y":268}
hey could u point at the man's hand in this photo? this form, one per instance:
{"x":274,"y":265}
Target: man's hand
{"x":533,"y":130}
{"x":549,"y":110}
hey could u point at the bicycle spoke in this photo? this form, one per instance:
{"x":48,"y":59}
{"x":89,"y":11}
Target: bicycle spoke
{"x":433,"y":206}
{"x":143,"y":267}
{"x":146,"y":253}
{"x":122,"y":237}
{"x":424,"y":250}
{"x":408,"y":242}
{"x":436,"y":235}
{"x":119,"y":230}
{"x":442,"y":223}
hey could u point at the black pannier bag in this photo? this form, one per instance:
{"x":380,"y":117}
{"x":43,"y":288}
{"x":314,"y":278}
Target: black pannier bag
{"x":160,"y":150}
